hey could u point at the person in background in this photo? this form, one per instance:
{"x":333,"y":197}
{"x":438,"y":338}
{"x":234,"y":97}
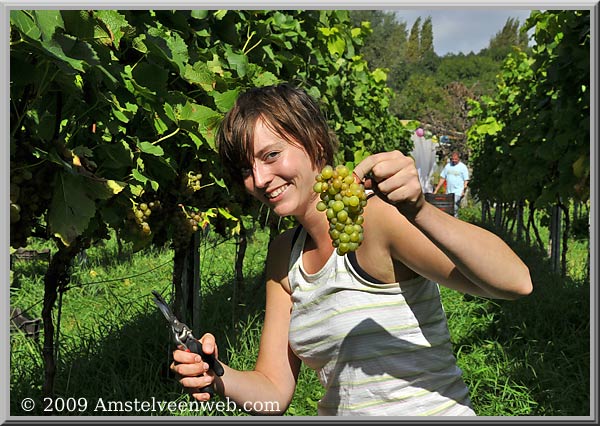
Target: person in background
{"x":456,"y":176}
{"x":369,"y":322}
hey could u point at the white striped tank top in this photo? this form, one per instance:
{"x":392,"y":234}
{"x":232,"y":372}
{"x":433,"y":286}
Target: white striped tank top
{"x":378,"y":348}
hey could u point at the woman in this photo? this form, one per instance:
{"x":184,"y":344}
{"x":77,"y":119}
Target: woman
{"x":370,"y":322}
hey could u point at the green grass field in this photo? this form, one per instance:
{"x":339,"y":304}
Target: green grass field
{"x":529,"y":357}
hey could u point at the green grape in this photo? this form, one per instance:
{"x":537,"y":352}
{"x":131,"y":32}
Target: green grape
{"x":343,"y":201}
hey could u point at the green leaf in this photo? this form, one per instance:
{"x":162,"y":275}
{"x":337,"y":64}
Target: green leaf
{"x":379,"y":75}
{"x":139,"y":45}
{"x":225,"y":213}
{"x":336,"y":46}
{"x":160,"y":169}
{"x":120,"y":116}
{"x":215,"y":66}
{"x":490,"y":127}
{"x":237,"y":62}
{"x":160,"y":126}
{"x":136,"y":190}
{"x":328,"y":32}
{"x":71,"y":208}
{"x":55,"y":50}
{"x":198,"y":113}
{"x":168,"y":108}
{"x":25,"y":23}
{"x":138,"y":176}
{"x":350,"y":128}
{"x":199,"y":74}
{"x":220,"y":14}
{"x":115,"y":186}
{"x":265,"y":79}
{"x":360,"y":154}
{"x":48,"y":21}
{"x":199,"y":14}
{"x":143,"y":179}
{"x":103,"y":189}
{"x":224,"y":101}
{"x":115,"y":22}
{"x":197,"y":141}
{"x":114,"y":155}
{"x":170,"y":45}
{"x":218,"y":181}
{"x":356,"y":32}
{"x":151,"y":76}
{"x":148,"y":148}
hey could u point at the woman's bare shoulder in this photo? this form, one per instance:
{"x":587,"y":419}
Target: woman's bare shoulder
{"x":278,"y":257}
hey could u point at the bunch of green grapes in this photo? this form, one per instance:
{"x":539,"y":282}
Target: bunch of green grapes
{"x":29,"y":200}
{"x":343,"y":201}
{"x":184,"y":225}
{"x":141,"y":213}
{"x":194,"y":219}
{"x":192,"y":182}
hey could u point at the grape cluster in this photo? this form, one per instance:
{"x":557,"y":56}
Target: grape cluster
{"x":29,"y":200}
{"x":343,"y":201}
{"x":141,"y":214}
{"x":195,"y":219}
{"x":185,"y":224}
{"x":192,"y":182}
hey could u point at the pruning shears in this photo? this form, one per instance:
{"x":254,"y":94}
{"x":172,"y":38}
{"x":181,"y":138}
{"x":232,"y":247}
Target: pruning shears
{"x":184,"y":337}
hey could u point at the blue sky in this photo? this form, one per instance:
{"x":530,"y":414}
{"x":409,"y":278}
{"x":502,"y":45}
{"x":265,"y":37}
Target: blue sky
{"x":462,"y":30}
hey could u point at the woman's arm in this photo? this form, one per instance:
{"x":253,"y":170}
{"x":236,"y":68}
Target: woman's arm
{"x":272,"y":383}
{"x":437,"y":245}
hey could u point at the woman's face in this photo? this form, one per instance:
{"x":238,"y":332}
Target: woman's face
{"x":282,"y":174}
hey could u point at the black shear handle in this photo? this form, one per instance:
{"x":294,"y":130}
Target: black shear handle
{"x":195,"y":346}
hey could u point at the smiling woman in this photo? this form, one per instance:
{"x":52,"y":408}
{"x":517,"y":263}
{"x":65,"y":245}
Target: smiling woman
{"x":280,"y":173}
{"x":369,"y":321}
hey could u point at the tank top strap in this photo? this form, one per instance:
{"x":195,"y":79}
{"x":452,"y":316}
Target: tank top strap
{"x":297,"y":245}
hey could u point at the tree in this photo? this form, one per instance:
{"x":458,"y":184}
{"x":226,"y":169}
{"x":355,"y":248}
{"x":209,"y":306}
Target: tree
{"x":422,"y":98}
{"x":429,"y":59}
{"x":385,"y":46}
{"x":426,"y":39}
{"x":505,"y":40}
{"x":413,"y":46}
{"x":477,"y":72}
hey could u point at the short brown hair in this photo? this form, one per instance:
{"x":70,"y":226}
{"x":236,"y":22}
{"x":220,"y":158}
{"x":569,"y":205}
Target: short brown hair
{"x":289,"y":111}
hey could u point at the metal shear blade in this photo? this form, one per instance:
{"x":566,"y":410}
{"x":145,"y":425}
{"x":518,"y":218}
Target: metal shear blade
{"x":183,"y":336}
{"x":177,"y":327}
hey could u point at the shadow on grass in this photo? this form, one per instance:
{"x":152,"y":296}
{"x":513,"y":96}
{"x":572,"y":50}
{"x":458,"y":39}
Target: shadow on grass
{"x":122,"y":369}
{"x":544,"y":338}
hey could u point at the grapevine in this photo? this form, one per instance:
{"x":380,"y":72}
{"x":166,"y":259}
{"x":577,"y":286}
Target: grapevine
{"x":343,"y":201}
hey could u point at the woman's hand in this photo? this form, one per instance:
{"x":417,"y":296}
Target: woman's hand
{"x":394,"y":177}
{"x":193,"y":371}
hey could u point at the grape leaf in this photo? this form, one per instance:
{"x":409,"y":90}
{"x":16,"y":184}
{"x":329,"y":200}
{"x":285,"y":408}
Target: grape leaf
{"x":73,"y":203}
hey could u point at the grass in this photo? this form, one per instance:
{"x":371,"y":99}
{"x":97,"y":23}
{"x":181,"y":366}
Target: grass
{"x":525,"y":357}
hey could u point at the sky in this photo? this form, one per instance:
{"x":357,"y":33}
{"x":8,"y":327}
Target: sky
{"x":463,"y":30}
